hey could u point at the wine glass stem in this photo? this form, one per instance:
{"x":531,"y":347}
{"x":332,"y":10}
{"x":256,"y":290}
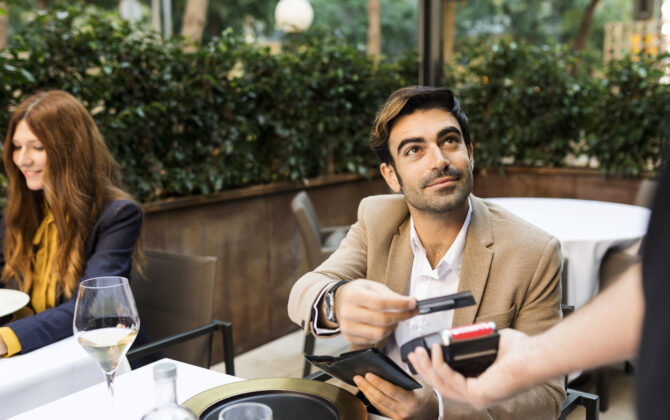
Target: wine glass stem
{"x":109,"y":377}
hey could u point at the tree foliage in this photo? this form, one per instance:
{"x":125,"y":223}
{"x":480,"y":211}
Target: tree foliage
{"x":536,"y":22}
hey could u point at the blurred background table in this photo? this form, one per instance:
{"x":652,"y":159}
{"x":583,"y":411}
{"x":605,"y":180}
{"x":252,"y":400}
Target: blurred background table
{"x":586,"y":229}
{"x":47,"y":374}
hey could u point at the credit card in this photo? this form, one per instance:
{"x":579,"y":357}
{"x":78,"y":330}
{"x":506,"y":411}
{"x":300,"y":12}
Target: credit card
{"x":445,"y":303}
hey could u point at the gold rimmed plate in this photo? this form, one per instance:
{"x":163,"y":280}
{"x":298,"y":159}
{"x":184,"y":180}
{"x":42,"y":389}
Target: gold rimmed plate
{"x":289,"y":398}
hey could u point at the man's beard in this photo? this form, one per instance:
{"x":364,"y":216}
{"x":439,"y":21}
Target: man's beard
{"x":449,"y":199}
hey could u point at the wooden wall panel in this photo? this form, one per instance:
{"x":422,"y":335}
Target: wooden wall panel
{"x":563,"y":183}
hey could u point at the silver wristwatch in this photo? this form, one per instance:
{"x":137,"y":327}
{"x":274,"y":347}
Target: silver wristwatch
{"x":329,"y":301}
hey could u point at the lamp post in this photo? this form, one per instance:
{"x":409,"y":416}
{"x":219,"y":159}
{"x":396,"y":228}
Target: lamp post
{"x":293,"y":15}
{"x":430,"y":42}
{"x":156,"y":15}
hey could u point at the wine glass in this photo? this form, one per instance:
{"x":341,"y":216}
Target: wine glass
{"x":106,"y":322}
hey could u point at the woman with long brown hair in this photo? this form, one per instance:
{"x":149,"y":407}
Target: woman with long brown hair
{"x":67,"y":216}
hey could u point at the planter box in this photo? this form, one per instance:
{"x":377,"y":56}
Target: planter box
{"x":260,"y":254}
{"x":587,"y":184}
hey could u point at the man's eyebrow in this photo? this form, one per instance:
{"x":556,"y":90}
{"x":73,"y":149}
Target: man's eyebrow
{"x":449,"y":130}
{"x":410,"y":140}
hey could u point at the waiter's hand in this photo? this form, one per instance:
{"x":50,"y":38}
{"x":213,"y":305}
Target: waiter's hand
{"x":396,"y":402}
{"x":506,"y":377}
{"x":367,"y":311}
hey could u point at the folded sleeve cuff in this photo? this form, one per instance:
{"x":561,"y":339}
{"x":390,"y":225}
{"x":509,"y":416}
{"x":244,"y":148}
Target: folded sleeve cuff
{"x":319,"y":331}
{"x":11,"y":340}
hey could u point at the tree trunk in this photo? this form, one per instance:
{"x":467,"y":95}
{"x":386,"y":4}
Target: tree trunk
{"x":374,"y":29}
{"x":448,"y":29}
{"x":194,"y":20}
{"x":580,"y":42}
{"x":4,"y":25}
{"x":42,"y":4}
{"x":156,"y":16}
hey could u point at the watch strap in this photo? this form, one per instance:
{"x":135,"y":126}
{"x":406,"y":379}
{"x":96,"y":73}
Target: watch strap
{"x":337,"y":286}
{"x":330,"y":297}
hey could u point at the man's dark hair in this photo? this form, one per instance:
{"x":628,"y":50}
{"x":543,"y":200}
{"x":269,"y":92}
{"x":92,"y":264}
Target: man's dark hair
{"x":405,"y":101}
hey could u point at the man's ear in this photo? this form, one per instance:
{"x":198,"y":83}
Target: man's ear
{"x":471,"y":156}
{"x":388,"y":172}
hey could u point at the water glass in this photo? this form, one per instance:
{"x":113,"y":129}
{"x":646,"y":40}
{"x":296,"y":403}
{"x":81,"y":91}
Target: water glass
{"x":246,"y":411}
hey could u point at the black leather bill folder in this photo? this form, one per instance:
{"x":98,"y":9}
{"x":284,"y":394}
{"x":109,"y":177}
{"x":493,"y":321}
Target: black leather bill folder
{"x":359,"y":362}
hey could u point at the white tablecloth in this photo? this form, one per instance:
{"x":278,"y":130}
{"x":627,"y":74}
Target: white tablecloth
{"x":134,"y":395}
{"x":586,"y":230}
{"x":46,"y":374}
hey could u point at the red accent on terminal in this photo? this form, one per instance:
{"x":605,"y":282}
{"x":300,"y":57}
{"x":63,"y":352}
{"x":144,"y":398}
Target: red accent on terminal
{"x":469,"y":332}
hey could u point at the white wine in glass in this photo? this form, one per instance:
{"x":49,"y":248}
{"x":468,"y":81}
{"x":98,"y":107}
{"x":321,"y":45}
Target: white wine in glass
{"x":106,"y":322}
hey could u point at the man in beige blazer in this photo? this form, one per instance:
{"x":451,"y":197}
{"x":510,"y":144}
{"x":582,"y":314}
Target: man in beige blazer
{"x":367,"y":289}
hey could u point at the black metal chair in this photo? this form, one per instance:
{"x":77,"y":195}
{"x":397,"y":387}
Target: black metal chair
{"x":225,"y":328}
{"x":614,"y":264}
{"x":319,"y":244}
{"x":575,"y":398}
{"x":175,"y":300}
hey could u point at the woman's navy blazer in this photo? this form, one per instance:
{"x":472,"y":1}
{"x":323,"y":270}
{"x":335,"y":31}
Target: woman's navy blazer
{"x":108,"y":252}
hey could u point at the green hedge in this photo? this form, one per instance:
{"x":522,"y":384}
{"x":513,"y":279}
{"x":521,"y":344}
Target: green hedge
{"x":228,"y":114}
{"x":535,"y":106}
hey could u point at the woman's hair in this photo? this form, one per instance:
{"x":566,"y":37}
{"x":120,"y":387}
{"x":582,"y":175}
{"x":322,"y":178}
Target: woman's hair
{"x":80,"y":178}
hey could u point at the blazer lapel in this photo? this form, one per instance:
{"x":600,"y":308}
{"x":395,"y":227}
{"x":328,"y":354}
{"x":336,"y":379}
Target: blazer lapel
{"x":477,"y":257}
{"x":399,"y":265}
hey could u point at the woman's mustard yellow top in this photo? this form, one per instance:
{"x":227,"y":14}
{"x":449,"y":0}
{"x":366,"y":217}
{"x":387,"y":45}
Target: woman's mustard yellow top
{"x":43,"y":289}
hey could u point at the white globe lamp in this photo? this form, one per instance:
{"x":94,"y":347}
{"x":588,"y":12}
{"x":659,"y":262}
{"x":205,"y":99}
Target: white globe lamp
{"x":130,"y":10}
{"x":293,"y":15}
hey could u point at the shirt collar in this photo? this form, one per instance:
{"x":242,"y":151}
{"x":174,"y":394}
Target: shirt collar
{"x":454,"y":255}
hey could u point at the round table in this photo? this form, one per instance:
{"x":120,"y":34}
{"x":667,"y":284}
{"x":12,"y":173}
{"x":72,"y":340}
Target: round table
{"x":586,"y":229}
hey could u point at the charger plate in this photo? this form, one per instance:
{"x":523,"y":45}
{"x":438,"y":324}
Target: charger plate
{"x":289,"y":398}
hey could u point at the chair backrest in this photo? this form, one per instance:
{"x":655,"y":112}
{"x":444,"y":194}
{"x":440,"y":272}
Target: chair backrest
{"x":308,"y":224}
{"x":614,"y":264}
{"x":176,"y":295}
{"x":645,"y":193}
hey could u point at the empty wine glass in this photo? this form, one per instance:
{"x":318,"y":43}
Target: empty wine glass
{"x":106,"y":322}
